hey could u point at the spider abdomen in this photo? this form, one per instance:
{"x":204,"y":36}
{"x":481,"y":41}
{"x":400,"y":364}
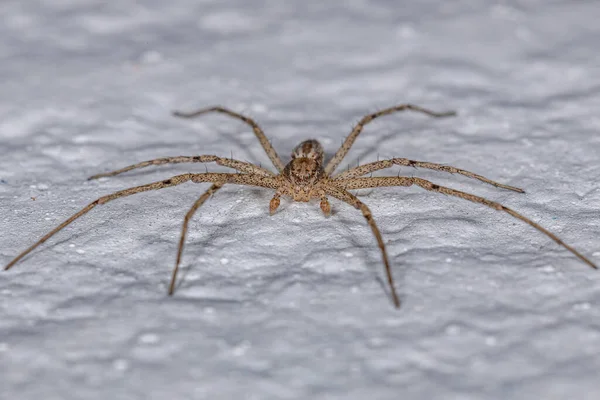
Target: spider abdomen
{"x":309,"y":149}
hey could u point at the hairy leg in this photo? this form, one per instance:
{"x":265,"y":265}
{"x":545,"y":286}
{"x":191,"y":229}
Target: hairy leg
{"x":360,"y":183}
{"x":270,"y":182}
{"x":184,"y":229}
{"x":226,"y":162}
{"x":341,"y":153}
{"x":383,"y":164}
{"x":257,"y":131}
{"x":241,"y":179}
{"x":176,"y":180}
{"x":349,"y":198}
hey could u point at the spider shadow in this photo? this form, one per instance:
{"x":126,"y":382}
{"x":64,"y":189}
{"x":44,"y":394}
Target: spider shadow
{"x":47,"y":247}
{"x":72,"y":238}
{"x":368,"y":253}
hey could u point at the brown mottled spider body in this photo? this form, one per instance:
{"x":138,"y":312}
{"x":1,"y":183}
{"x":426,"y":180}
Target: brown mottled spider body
{"x":303,"y":178}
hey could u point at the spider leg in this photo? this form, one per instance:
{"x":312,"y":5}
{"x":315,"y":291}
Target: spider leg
{"x":271,"y":182}
{"x":349,"y":198}
{"x":257,"y":131}
{"x":176,"y":180}
{"x":359,"y":183}
{"x":383,"y":164}
{"x":341,"y":153}
{"x":226,"y":162}
{"x":188,"y":216}
{"x":241,"y":179}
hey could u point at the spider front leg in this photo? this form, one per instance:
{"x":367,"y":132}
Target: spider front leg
{"x":347,"y":197}
{"x":186,"y":220}
{"x":241,"y":179}
{"x":176,"y":180}
{"x":360,"y":183}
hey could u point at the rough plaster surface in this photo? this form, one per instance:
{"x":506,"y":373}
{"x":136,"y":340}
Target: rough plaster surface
{"x":293,"y":306}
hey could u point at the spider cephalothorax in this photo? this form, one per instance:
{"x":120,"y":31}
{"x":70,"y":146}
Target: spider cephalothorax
{"x":305,"y":177}
{"x":304,"y":171}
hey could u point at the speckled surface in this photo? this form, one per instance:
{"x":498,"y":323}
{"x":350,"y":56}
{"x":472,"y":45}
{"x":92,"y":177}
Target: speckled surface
{"x":293,"y":306}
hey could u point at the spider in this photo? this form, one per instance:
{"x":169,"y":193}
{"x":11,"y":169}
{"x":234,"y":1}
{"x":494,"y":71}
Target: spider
{"x":305,"y":177}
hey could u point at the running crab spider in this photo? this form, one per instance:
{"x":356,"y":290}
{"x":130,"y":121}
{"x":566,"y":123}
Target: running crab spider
{"x":305,"y":177}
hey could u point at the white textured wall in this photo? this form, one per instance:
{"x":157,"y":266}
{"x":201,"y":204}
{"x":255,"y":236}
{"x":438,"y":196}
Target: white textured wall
{"x":294,"y":306}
